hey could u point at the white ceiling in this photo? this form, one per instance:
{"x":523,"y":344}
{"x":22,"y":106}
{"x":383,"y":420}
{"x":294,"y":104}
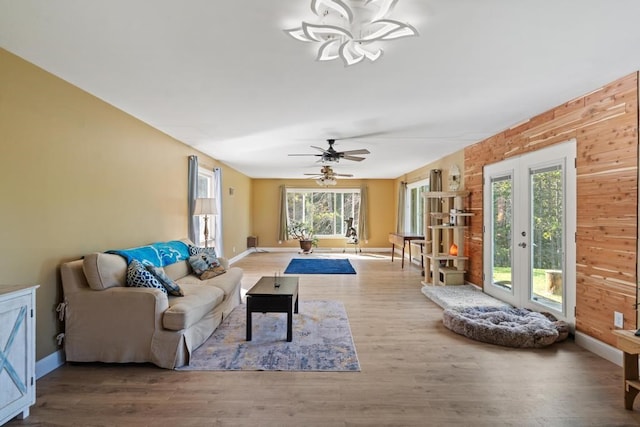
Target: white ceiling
{"x":223,"y":77}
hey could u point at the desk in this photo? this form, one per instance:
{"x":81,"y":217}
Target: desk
{"x":401,"y":239}
{"x":630,"y":345}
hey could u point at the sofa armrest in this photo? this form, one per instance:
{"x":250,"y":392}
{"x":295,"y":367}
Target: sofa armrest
{"x":224,"y":262}
{"x":113,"y":325}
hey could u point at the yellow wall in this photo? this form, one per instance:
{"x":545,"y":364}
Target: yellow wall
{"x":419,"y":174}
{"x":78,"y":175}
{"x":236,"y":208}
{"x":266,"y":199}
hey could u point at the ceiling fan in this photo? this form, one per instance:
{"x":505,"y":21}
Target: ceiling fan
{"x":327,"y":176}
{"x":331,"y":155}
{"x":327,"y":173}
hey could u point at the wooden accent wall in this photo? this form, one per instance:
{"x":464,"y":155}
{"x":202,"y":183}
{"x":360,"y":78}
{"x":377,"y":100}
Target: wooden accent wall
{"x":605,"y":125}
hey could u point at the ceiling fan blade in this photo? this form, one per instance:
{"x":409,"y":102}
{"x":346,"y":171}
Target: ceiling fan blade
{"x":363,"y":135}
{"x":342,"y":174}
{"x":320,"y":155}
{"x":361,"y":151}
{"x":354,"y":158}
{"x":318,"y":148}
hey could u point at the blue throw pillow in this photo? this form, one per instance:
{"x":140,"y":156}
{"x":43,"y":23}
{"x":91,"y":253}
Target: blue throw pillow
{"x":205,"y":266}
{"x":171,"y":286}
{"x":139,"y":277}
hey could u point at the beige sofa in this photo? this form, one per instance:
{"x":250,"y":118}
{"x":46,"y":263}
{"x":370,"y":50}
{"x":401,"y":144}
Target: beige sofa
{"x":105,"y":321}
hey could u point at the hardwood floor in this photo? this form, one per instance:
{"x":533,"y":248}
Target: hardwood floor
{"x":414,"y":372}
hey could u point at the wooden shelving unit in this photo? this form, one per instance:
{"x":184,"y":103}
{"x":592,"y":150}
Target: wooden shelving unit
{"x":445,"y":224}
{"x":629,"y":343}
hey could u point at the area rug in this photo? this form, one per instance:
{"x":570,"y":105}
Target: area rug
{"x":461,"y":296}
{"x":319,"y":266}
{"x":322,"y":341}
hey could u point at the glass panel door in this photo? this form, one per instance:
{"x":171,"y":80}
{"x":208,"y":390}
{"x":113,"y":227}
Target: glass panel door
{"x":529,"y":230}
{"x":501,"y":216}
{"x":547,"y":234}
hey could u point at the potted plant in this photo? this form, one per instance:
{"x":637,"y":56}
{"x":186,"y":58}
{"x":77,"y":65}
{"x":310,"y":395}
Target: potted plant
{"x":304,"y":233}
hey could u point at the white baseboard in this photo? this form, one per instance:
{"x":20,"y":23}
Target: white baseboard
{"x":239,"y":256}
{"x":319,"y":250}
{"x":49,"y":363}
{"x":595,"y":346}
{"x":292,"y":249}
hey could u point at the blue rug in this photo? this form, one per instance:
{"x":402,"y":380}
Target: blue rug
{"x":322,"y":341}
{"x":319,"y":266}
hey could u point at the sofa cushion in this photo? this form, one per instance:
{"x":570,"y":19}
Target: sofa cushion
{"x":104,"y":271}
{"x":205,"y":266}
{"x":139,"y":277}
{"x":198,"y":301}
{"x":178,"y":269}
{"x":171,"y":286}
{"x":227,"y":282}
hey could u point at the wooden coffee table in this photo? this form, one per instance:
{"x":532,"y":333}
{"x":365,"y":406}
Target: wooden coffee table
{"x":265,"y":297}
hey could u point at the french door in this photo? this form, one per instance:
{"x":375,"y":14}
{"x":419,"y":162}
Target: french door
{"x":529,"y":230}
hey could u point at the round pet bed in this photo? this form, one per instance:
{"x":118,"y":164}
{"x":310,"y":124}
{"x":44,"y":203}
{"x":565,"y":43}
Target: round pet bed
{"x":507,"y":326}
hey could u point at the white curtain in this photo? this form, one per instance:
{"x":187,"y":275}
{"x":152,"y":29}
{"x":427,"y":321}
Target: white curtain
{"x":402,"y":195}
{"x":363,"y":215}
{"x":217,"y":188}
{"x":192,"y":194}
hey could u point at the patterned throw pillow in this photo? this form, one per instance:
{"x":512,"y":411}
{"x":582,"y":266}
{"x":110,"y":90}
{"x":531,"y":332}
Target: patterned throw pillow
{"x":213,"y":272}
{"x":205,"y":266}
{"x":139,"y":277}
{"x":171,"y":286}
{"x":197,"y":250}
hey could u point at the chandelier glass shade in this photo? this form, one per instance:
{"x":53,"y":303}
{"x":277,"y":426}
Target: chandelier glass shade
{"x":351,"y":30}
{"x":326,"y":181}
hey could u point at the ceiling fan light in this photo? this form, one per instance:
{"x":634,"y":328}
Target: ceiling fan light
{"x":389,"y":29}
{"x":337,"y":5}
{"x":320,"y":33}
{"x":369,"y":53}
{"x":329,"y":50}
{"x":327,"y":179}
{"x":354,"y":25}
{"x":298,"y":34}
{"x":349,"y":55}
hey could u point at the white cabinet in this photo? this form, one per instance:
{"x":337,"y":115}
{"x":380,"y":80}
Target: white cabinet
{"x":445,"y":223}
{"x":17,"y":351}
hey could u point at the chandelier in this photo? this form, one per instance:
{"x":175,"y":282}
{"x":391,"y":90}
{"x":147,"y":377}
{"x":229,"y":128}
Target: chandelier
{"x":351,"y":30}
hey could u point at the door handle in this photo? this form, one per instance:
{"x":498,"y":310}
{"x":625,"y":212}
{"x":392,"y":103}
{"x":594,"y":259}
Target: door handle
{"x":522,"y":244}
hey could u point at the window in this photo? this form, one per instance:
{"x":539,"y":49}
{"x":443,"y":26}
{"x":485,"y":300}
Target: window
{"x":415,"y":207}
{"x":206,"y":188}
{"x":324,"y":209}
{"x":205,"y":183}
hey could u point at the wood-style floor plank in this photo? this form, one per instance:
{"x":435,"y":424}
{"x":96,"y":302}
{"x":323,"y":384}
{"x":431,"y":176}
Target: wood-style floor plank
{"x":415,"y":372}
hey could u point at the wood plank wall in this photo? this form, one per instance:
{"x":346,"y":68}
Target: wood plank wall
{"x":605,"y":125}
